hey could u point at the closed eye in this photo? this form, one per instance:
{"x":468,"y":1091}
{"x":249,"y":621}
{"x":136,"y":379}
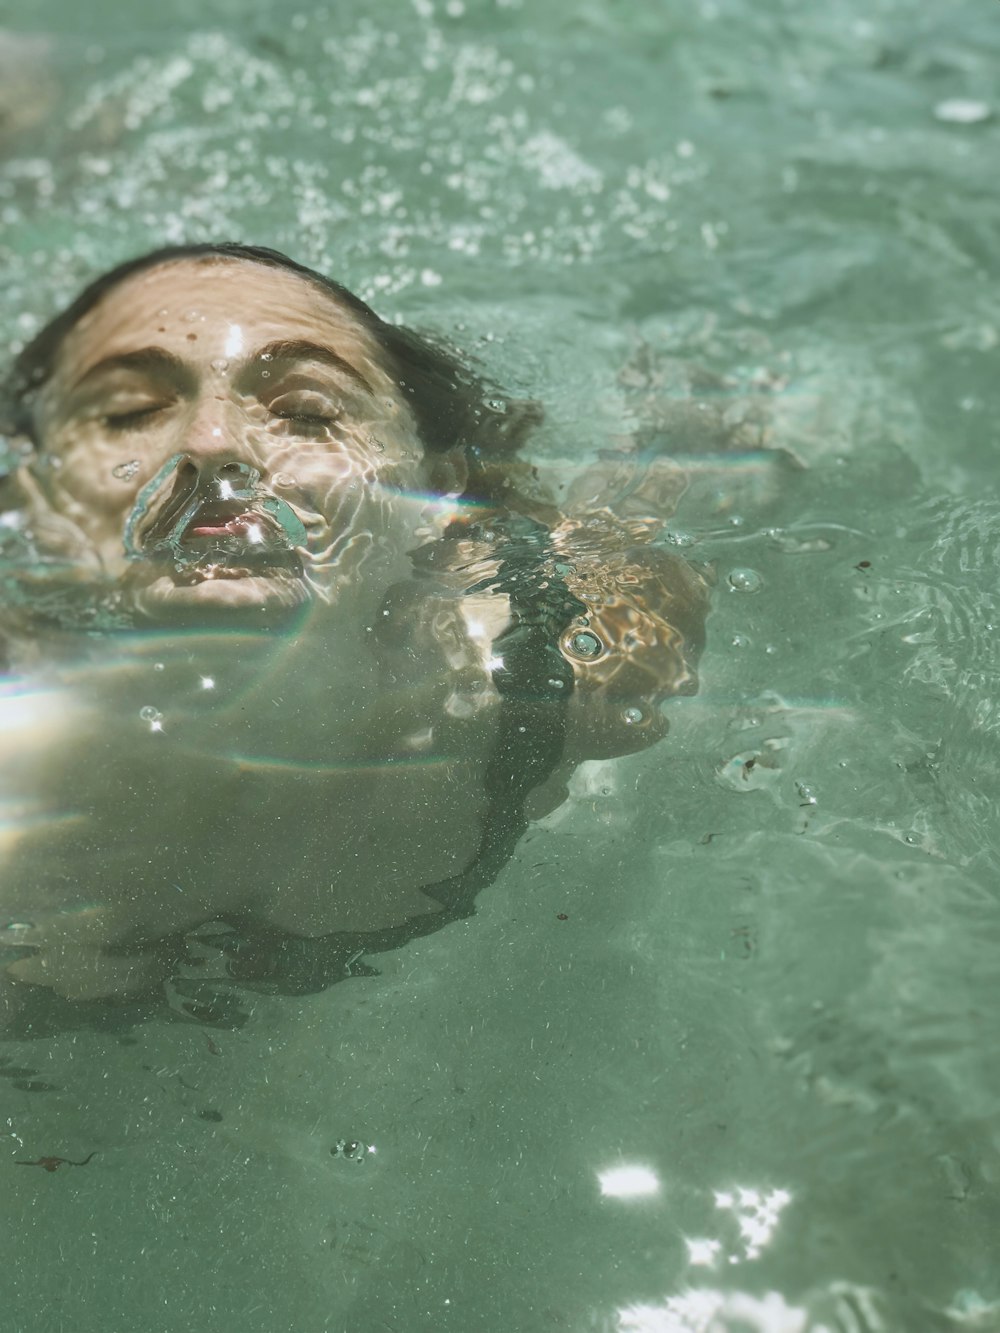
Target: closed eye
{"x":137,"y":417}
{"x":308,"y":418}
{"x":308,"y":414}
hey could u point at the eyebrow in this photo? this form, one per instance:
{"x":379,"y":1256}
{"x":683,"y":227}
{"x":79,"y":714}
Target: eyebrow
{"x":145,"y":359}
{"x":157,"y":360}
{"x":295,"y":350}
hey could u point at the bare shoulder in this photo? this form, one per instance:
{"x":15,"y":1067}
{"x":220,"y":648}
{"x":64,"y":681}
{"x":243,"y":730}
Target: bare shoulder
{"x":637,"y":639}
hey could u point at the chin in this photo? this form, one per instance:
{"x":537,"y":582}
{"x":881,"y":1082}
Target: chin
{"x":260,"y":598}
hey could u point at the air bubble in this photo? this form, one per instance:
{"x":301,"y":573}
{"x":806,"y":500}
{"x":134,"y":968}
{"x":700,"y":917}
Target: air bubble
{"x":16,"y":928}
{"x":739,"y":641}
{"x":220,"y":364}
{"x":352,"y":1150}
{"x":496,"y":405}
{"x":631,"y":716}
{"x":962,"y":111}
{"x":586,"y":644}
{"x":153,"y":716}
{"x":126,"y":471}
{"x":745,"y":580}
{"x":555,"y":683}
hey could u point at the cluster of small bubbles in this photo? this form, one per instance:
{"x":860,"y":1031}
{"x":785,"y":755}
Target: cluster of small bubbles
{"x":126,"y":471}
{"x":679,"y":538}
{"x":266,"y":356}
{"x":739,"y":641}
{"x":375,"y":443}
{"x":745,"y":580}
{"x":352,"y":1150}
{"x":496,"y":405}
{"x":631,"y":716}
{"x":555,"y":683}
{"x":586,"y":644}
{"x":806,"y":794}
{"x":153,"y":716}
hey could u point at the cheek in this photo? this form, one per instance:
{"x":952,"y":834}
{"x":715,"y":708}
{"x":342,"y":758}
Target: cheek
{"x":101,"y":480}
{"x":321,"y":475}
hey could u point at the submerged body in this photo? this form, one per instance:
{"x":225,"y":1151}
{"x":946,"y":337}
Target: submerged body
{"x":335,"y":663}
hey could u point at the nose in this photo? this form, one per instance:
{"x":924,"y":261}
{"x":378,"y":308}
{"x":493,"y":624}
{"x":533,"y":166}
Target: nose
{"x":212,"y":434}
{"x":215,"y":477}
{"x":213,"y":456}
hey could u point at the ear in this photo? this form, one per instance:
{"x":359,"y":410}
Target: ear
{"x":447,"y":473}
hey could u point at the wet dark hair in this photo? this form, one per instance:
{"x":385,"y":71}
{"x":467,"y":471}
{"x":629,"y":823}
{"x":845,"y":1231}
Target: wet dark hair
{"x":452,"y":406}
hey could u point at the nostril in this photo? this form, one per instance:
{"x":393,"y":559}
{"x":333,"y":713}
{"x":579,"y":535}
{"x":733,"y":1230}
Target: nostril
{"x":187,"y":471}
{"x":233,"y":470}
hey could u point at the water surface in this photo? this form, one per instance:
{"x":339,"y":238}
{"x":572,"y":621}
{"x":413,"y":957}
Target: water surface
{"x":717,"y":1051}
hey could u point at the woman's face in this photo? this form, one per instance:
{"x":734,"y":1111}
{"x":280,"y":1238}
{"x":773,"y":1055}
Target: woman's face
{"x":225,"y":435}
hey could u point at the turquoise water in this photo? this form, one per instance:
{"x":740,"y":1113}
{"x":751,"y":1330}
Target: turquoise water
{"x":750,"y":1083}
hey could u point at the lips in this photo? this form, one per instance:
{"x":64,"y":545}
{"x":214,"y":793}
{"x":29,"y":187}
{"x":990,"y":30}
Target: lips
{"x":226,"y":524}
{"x":228,"y":520}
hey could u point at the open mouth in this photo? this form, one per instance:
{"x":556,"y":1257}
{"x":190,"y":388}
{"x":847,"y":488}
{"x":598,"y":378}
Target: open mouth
{"x":225,"y":524}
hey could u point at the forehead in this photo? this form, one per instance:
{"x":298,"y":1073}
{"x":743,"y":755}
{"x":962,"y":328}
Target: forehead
{"x":210,"y":307}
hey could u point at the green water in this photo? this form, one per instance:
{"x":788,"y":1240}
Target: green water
{"x":775,"y":992}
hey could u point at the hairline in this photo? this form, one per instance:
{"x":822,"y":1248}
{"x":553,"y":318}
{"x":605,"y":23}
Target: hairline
{"x":332,"y":292}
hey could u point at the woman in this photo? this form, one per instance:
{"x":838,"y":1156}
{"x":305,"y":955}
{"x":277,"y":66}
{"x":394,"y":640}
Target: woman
{"x":298,"y":644}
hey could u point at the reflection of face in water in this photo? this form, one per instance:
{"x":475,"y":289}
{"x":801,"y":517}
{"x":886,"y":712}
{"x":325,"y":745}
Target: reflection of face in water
{"x":225,"y":436}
